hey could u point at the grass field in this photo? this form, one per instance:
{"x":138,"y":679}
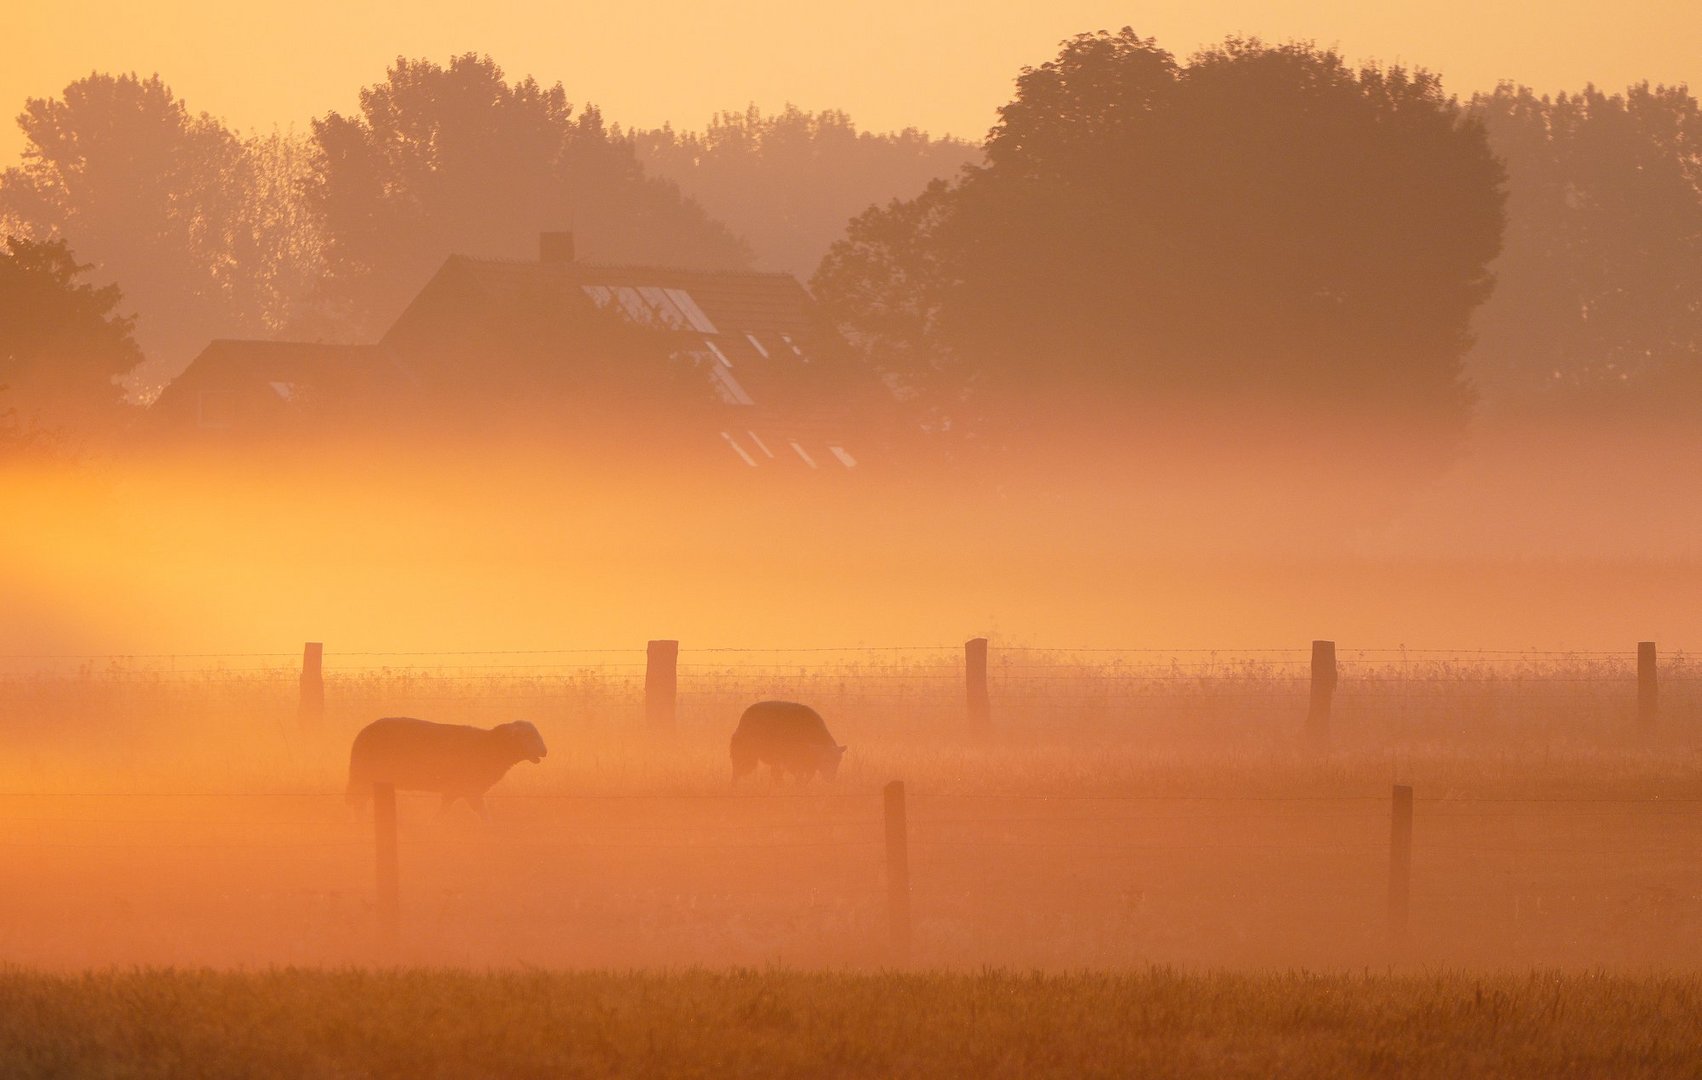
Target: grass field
{"x":425,"y":1023}
{"x":1126,"y":876}
{"x":1123,"y":812}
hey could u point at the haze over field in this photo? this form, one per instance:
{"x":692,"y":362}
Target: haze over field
{"x":516,"y":557}
{"x":1218,"y":401}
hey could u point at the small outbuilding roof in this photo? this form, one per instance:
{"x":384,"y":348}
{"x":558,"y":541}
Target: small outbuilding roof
{"x":236,"y":384}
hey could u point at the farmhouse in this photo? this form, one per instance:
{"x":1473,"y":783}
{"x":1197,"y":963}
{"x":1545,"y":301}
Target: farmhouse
{"x":735,"y":365}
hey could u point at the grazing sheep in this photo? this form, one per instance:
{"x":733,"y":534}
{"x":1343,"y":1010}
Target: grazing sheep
{"x":789,"y":737}
{"x":454,"y":760}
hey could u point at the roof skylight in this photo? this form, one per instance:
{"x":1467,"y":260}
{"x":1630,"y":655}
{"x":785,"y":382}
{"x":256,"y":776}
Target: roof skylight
{"x":694,"y":314}
{"x":653,"y":305}
{"x":728,"y":387}
{"x":633,"y":304}
{"x":739,"y":450}
{"x":663,"y":307}
{"x":760,"y":445}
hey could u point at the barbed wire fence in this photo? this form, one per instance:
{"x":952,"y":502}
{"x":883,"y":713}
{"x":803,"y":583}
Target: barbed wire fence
{"x":967,"y":689}
{"x":972,"y":686}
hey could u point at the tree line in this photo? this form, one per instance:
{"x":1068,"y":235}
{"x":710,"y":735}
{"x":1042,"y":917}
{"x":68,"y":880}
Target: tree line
{"x":1265,"y":228}
{"x":325,"y":234}
{"x":1257,"y":225}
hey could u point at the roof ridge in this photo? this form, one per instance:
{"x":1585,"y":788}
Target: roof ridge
{"x":291,"y":343}
{"x":580,"y":264}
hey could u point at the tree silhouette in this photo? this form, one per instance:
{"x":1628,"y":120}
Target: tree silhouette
{"x":279,"y":254}
{"x":1599,"y":302}
{"x":151,"y":194}
{"x":789,"y":182}
{"x":1263,"y":226}
{"x":457,"y":159}
{"x":61,"y":345}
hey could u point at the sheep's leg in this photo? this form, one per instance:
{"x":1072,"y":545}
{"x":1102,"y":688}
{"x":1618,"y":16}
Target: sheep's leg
{"x":477,"y":802}
{"x":743,"y":766}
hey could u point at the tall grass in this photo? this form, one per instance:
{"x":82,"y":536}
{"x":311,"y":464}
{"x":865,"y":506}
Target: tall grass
{"x":1123,"y":810}
{"x":1063,"y":721}
{"x":744,"y":1023}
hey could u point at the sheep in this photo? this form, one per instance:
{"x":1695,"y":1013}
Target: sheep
{"x":454,"y":760}
{"x":787,"y":736}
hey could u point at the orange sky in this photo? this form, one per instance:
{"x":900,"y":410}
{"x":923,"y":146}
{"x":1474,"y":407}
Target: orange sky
{"x":943,"y":65}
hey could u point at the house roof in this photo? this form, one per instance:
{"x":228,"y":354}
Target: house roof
{"x":778,"y":390}
{"x":236,"y":383}
{"x":734,"y":301}
{"x":777,"y":374}
{"x":287,"y":360}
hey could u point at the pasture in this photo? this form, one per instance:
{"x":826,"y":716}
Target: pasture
{"x":424,"y":1024}
{"x":1123,"y":811}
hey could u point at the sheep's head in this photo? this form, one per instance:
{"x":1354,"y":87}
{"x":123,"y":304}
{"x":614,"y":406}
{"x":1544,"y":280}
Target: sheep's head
{"x":830,"y":761}
{"x":522,"y":741}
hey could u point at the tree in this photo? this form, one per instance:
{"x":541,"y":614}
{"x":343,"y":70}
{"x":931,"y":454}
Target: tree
{"x":279,"y":250}
{"x":1262,"y":228}
{"x":1599,"y":305}
{"x":61,"y":343}
{"x":789,"y":182}
{"x":456,"y":159}
{"x":151,"y":194}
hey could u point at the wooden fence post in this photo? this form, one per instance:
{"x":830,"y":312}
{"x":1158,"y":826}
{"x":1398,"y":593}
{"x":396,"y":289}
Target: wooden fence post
{"x":1648,"y":690}
{"x":1400,"y":865}
{"x":384,"y":831}
{"x":898,"y":869}
{"x":311,"y":710}
{"x":661,"y":684}
{"x":975,"y":673}
{"x":1323,"y":688}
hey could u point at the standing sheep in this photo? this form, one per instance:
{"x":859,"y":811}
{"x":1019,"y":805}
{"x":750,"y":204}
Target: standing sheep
{"x":787,"y":736}
{"x":454,"y":760}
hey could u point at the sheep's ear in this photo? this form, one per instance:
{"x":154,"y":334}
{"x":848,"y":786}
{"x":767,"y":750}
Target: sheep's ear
{"x":842,"y":749}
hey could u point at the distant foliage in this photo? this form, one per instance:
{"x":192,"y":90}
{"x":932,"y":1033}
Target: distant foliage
{"x":61,"y":346}
{"x":285,"y":256}
{"x":1599,"y":302}
{"x":789,"y":182}
{"x":197,"y":226}
{"x":1263,"y":225}
{"x":119,"y":167}
{"x":457,"y":159}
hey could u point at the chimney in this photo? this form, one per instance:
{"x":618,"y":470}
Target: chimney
{"x":555,"y":247}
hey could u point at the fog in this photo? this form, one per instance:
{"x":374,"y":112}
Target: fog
{"x":1530,"y":540}
{"x":1203,"y":360}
